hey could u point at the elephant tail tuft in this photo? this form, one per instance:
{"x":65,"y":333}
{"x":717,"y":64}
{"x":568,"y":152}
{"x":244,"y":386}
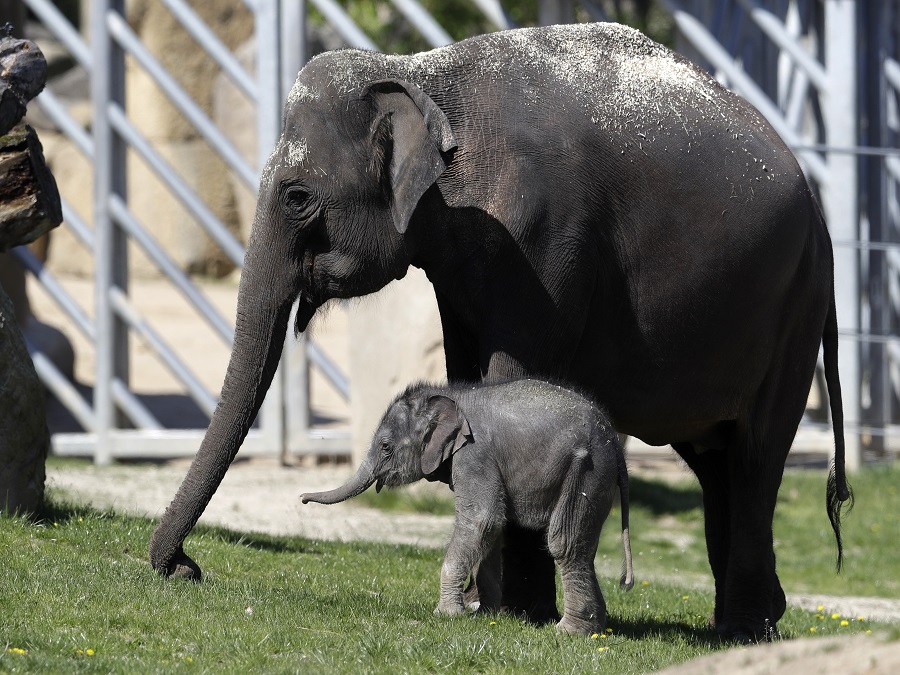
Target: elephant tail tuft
{"x":837,"y":489}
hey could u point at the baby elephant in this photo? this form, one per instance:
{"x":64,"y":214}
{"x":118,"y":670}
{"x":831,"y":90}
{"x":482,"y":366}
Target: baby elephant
{"x":523,"y":451}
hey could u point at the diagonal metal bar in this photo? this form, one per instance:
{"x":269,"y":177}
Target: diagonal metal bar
{"x":56,"y":111}
{"x":892,"y":73}
{"x":158,"y":255}
{"x":130,"y":404}
{"x":213,"y":46}
{"x":706,"y":44}
{"x":128,"y":313}
{"x":80,"y":229}
{"x":59,"y":294}
{"x":772,"y":26}
{"x":126,"y":38}
{"x":339,"y":19}
{"x":62,"y":389}
{"x":423,"y":22}
{"x":198,"y":208}
{"x":48,"y":14}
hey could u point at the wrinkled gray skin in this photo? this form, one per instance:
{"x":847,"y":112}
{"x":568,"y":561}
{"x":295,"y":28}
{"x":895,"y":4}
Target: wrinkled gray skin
{"x":523,"y":452}
{"x":590,"y":208}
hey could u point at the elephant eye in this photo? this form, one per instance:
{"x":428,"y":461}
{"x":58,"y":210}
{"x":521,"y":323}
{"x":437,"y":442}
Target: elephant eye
{"x":386,"y":449}
{"x":297,"y":201}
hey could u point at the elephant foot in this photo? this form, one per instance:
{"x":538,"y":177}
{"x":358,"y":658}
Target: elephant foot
{"x":182,"y":567}
{"x":745,"y":635}
{"x":575,"y":626}
{"x":449,"y":609}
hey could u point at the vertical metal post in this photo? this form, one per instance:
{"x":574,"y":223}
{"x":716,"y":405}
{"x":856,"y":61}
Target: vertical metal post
{"x":840,"y":201}
{"x":294,"y":48}
{"x":268,"y":123}
{"x":111,"y":260}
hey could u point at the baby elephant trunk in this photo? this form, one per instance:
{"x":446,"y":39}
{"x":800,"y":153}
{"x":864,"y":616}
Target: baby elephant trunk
{"x":360,"y":482}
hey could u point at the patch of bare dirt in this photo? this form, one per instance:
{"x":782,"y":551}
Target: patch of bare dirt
{"x":258,"y":495}
{"x":857,"y":655}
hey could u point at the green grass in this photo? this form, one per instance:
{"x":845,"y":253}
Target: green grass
{"x":668,"y":540}
{"x":79,"y":596}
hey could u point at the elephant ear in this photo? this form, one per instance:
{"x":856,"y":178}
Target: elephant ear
{"x":413,"y":135}
{"x":447,"y":431}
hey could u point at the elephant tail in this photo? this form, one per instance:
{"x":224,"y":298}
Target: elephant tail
{"x":838,"y":490}
{"x":627,"y":580}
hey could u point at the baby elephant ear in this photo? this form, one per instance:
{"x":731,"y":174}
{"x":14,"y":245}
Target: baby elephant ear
{"x":448,"y":430}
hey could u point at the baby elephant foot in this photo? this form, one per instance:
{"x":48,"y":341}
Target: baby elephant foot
{"x":575,"y":626}
{"x":449,"y":609}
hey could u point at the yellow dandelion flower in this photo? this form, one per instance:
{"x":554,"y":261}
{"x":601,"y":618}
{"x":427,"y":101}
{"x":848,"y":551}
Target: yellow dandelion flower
{"x":836,"y":615}
{"x":845,"y":622}
{"x":645,"y":583}
{"x":685,"y":597}
{"x":603,"y":637}
{"x":820,"y":617}
{"x":17,"y":650}
{"x":493,"y":623}
{"x":860,"y":618}
{"x":812,"y":629}
{"x":595,"y":636}
{"x":821,"y":608}
{"x":602,"y":649}
{"x":188,"y":659}
{"x":868,"y":632}
{"x":609,"y":630}
{"x":89,"y":652}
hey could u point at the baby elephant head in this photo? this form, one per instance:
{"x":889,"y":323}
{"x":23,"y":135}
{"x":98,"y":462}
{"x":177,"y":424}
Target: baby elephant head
{"x":419,"y":433}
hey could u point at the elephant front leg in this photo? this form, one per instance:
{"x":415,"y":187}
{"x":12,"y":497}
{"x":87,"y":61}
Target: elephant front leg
{"x":467,"y":548}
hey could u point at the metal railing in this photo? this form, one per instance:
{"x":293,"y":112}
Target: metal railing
{"x":793,"y":59}
{"x":798,"y":61}
{"x":116,"y":423}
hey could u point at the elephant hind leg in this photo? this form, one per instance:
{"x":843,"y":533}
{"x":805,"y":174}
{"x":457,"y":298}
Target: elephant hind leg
{"x":711,"y":469}
{"x":572,"y":538}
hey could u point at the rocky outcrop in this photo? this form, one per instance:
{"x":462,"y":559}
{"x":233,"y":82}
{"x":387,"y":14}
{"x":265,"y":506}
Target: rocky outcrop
{"x":29,"y":206}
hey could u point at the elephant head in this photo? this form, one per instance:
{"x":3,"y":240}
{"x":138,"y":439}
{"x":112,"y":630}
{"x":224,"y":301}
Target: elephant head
{"x":335,"y":199}
{"x":416,"y":437}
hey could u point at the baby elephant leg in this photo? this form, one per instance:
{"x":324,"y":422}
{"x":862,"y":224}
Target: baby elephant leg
{"x":584,"y":609}
{"x":469,"y":546}
{"x":572,"y":540}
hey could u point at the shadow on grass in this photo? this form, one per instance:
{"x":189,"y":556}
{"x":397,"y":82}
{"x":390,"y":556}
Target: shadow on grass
{"x":57,"y":509}
{"x":670,"y":631}
{"x":662,"y":497}
{"x":259,"y":540}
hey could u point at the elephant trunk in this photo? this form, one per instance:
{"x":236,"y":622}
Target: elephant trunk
{"x":359,"y":483}
{"x":265,"y":296}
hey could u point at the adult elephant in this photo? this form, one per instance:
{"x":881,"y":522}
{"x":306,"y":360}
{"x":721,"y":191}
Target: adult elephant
{"x":590,"y":207}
